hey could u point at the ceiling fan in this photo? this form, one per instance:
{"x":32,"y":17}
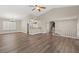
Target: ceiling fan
{"x":38,"y":8}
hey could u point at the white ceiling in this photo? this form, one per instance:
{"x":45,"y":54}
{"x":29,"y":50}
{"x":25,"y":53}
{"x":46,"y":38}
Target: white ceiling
{"x":18,"y":12}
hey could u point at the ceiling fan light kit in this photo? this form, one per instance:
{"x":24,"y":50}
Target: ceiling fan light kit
{"x":38,"y":8}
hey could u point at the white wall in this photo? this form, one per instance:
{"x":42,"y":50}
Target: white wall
{"x":24,"y":26}
{"x":18,"y":26}
{"x":58,"y":14}
{"x":0,"y":25}
{"x":66,"y":27}
{"x":78,"y":28}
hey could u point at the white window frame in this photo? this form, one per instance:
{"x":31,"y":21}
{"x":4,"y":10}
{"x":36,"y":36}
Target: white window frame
{"x":8,"y":25}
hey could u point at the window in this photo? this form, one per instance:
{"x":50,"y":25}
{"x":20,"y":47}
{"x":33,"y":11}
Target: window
{"x":8,"y":25}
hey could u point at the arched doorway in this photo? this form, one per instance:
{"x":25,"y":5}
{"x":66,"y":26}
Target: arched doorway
{"x":52,"y":27}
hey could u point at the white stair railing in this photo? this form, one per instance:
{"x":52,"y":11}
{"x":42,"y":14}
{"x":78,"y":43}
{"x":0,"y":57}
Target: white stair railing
{"x":67,"y":34}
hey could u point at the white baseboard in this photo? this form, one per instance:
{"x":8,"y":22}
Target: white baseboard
{"x":70,"y":37}
{"x":3,"y":32}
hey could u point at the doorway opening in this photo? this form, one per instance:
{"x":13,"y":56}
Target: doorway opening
{"x":52,"y":27}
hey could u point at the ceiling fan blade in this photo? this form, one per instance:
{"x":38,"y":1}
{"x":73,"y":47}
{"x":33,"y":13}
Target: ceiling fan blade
{"x":43,"y":7}
{"x":36,"y":5}
{"x":31,"y":5}
{"x":39,"y":10}
{"x":33,"y":9}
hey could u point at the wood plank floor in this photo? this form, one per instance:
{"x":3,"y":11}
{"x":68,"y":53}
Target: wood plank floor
{"x":40,"y":43}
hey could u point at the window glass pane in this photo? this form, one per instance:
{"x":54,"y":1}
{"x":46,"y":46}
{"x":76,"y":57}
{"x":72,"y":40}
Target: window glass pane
{"x":7,"y":25}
